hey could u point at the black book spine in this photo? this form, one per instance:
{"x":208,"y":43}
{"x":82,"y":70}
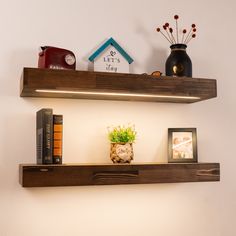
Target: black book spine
{"x":57,"y":138}
{"x":44,"y":136}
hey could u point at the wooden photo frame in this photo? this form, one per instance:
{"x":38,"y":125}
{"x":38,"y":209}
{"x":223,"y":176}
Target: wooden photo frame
{"x":182,"y":145}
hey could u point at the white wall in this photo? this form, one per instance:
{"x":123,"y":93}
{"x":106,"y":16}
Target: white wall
{"x":196,"y":209}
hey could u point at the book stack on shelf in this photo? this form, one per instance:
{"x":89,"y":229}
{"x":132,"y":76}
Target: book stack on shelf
{"x":49,"y":137}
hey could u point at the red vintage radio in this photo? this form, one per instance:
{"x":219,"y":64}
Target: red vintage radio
{"x":56,"y":58}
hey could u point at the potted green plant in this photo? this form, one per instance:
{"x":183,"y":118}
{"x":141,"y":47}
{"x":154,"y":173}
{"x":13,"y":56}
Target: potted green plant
{"x":122,"y":139}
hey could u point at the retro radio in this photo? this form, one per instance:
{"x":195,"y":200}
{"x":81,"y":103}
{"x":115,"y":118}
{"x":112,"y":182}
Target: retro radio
{"x":56,"y":58}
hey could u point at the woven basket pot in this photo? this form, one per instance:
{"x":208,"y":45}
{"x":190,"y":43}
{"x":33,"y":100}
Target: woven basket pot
{"x":121,"y":152}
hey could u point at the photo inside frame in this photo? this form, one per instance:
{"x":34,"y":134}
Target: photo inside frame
{"x":182,"y":145}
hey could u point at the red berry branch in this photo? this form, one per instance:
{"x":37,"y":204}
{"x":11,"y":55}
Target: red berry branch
{"x":176,"y":17}
{"x":168,"y":33}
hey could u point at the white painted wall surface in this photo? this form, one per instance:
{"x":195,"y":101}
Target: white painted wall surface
{"x":196,"y":209}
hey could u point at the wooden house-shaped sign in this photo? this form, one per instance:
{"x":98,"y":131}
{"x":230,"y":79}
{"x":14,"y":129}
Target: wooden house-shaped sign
{"x":111,"y":57}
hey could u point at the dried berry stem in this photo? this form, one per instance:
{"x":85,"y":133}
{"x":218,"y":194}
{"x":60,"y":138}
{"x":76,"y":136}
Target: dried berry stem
{"x":166,"y":28}
{"x":176,"y":17}
{"x":159,"y":30}
{"x":171,"y":32}
{"x":184,"y":32}
{"x":186,"y":36}
{"x":193,"y":29}
{"x":192,"y":36}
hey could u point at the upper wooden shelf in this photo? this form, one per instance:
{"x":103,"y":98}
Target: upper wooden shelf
{"x":114,"y":86}
{"x":111,"y":174}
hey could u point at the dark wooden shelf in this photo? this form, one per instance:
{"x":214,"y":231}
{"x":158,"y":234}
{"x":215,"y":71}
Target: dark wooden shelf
{"x":112,"y":174}
{"x":114,"y":86}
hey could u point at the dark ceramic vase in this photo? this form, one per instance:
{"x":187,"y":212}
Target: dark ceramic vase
{"x":178,"y":63}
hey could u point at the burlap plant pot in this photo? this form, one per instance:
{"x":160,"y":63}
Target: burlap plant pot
{"x":121,"y":152}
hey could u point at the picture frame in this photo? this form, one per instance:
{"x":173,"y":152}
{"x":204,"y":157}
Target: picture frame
{"x":182,"y":145}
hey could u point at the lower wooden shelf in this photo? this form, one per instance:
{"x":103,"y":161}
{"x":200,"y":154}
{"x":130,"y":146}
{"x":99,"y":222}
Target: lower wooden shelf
{"x":112,"y":174}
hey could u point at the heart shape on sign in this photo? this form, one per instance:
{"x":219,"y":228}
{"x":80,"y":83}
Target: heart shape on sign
{"x":112,"y":53}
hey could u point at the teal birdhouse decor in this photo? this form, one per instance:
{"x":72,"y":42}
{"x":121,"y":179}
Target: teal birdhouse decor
{"x":111,"y":57}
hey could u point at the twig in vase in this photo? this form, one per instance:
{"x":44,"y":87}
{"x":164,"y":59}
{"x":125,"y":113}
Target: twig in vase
{"x":182,"y":36}
{"x":184,"y":32}
{"x":166,"y":27}
{"x":176,"y":17}
{"x":193,"y":36}
{"x":171,"y":33}
{"x":193,"y":28}
{"x":159,"y":30}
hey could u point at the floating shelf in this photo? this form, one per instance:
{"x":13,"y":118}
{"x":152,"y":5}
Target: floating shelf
{"x":114,"y":86}
{"x":113,"y":174}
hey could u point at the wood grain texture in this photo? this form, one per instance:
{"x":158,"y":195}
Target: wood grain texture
{"x":112,"y":174}
{"x":83,"y":81}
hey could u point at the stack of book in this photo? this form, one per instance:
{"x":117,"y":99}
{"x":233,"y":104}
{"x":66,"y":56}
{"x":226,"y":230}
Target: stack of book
{"x":49,"y":137}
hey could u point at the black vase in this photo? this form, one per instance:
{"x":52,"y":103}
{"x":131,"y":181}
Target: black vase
{"x":178,"y":63}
